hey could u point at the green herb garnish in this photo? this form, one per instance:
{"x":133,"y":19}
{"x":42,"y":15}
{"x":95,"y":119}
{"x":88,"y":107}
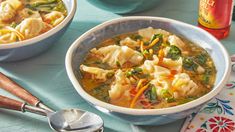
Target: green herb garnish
{"x":174,"y":53}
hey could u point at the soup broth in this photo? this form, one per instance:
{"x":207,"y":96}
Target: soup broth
{"x":25,"y":19}
{"x":147,"y":69}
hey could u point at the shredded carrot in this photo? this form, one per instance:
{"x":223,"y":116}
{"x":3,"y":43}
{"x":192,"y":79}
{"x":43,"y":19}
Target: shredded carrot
{"x":133,"y":102}
{"x":151,"y":52}
{"x":161,"y":55}
{"x":152,"y":43}
{"x":173,"y":72}
{"x":141,"y":46}
{"x":140,"y":83}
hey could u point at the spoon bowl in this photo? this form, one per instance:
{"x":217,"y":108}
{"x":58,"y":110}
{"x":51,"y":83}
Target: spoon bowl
{"x":74,"y":120}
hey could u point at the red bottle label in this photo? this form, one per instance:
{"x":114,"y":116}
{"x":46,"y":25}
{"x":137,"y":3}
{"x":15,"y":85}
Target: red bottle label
{"x":215,"y":14}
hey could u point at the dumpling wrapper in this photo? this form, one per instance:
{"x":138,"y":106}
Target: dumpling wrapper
{"x":7,"y":11}
{"x":147,"y":33}
{"x":96,"y":73}
{"x":174,"y":40}
{"x":31,"y":27}
{"x":173,"y":64}
{"x":114,"y":54}
{"x":129,"y":42}
{"x":184,"y":86}
{"x":54,"y":18}
{"x":120,"y":87}
{"x":28,"y":13}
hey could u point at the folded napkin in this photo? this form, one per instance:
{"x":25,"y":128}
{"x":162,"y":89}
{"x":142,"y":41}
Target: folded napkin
{"x":218,"y":115}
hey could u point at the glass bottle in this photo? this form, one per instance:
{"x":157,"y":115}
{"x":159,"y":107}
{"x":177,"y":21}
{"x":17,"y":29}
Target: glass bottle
{"x":215,"y":16}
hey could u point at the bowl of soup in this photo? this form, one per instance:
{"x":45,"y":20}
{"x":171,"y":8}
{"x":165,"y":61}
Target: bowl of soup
{"x":29,"y":27}
{"x":147,"y":70}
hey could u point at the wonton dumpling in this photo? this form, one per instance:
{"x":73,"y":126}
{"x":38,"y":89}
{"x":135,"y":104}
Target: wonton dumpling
{"x":28,"y":13}
{"x":31,"y":27}
{"x":129,"y":42}
{"x":149,"y":65}
{"x":114,"y":54}
{"x":173,"y":64}
{"x":54,"y":18}
{"x":149,"y":32}
{"x":16,"y":4}
{"x":184,"y":86}
{"x":96,"y":73}
{"x":120,"y":86}
{"x":7,"y":37}
{"x":7,"y":11}
{"x":174,"y":40}
{"x":161,"y":84}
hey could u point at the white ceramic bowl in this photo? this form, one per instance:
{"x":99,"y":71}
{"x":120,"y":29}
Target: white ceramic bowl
{"x":91,"y":39}
{"x":31,"y":47}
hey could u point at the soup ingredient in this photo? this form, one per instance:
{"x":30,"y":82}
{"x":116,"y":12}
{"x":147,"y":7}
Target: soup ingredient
{"x":27,"y":27}
{"x":28,"y":13}
{"x":184,"y":86}
{"x":97,"y":73}
{"x":138,"y":95}
{"x":9,"y":34}
{"x":7,"y":11}
{"x":148,"y":69}
{"x":130,"y":43}
{"x":118,"y":56}
{"x":54,"y":18}
{"x":174,"y":53}
{"x":120,"y":86}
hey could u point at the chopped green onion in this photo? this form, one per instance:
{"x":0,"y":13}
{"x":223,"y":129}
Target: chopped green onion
{"x":165,"y":93}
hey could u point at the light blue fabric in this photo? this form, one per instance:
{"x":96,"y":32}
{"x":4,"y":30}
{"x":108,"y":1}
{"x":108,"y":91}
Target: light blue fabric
{"x":45,"y":75}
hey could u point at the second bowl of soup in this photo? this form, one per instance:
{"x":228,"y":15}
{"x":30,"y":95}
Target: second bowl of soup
{"x":28,"y":27}
{"x":147,"y":70}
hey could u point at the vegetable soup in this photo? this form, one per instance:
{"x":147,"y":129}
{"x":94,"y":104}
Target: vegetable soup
{"x":25,"y":19}
{"x":147,"y":69}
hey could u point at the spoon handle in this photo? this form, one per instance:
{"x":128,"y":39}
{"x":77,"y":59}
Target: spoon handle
{"x":15,"y":89}
{"x":12,"y":104}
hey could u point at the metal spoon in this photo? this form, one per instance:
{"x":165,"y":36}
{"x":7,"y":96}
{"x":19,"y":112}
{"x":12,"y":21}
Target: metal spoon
{"x":62,"y":120}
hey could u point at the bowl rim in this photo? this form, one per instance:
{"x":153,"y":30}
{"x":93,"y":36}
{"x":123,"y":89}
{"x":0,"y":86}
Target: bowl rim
{"x":47,"y":34}
{"x":130,"y":111}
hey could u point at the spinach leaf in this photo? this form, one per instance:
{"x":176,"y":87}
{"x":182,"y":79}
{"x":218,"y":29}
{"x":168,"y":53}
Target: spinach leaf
{"x":174,"y":53}
{"x":206,"y":76}
{"x":206,"y":79}
{"x":101,"y":92}
{"x":136,"y":37}
{"x":151,"y":94}
{"x":189,"y":64}
{"x":201,"y":59}
{"x":170,"y":100}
